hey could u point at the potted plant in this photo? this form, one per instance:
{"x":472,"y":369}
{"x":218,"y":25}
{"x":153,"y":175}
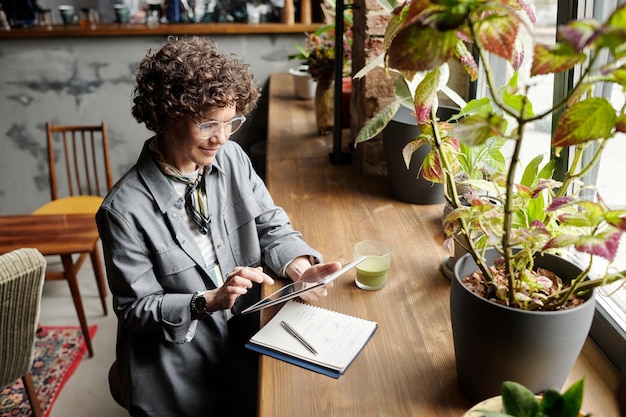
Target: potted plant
{"x":318,"y":56}
{"x":516,"y":400}
{"x":304,"y":85}
{"x":410,"y":172}
{"x":528,"y":217}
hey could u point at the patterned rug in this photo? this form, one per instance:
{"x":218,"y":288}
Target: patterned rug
{"x":58,"y":352}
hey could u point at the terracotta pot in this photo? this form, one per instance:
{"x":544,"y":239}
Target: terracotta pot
{"x":346,"y":93}
{"x":494,"y":343}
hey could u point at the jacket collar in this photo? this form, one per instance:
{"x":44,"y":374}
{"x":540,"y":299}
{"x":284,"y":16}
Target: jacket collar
{"x":164,"y":194}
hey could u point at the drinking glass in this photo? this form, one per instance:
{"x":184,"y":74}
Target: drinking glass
{"x":371,"y":274}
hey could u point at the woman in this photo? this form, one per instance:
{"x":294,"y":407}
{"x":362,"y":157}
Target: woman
{"x":185,"y":233}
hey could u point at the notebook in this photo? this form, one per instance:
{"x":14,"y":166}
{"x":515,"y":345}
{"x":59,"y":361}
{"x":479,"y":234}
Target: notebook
{"x":338,"y":338}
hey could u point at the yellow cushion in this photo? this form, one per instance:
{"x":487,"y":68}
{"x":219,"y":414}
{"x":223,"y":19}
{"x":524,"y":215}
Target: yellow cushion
{"x":84,"y":204}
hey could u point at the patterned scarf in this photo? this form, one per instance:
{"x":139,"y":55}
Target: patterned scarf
{"x":195,"y":193}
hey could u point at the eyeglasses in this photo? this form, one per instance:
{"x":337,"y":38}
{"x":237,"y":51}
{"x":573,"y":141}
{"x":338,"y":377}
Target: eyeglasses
{"x":212,"y":128}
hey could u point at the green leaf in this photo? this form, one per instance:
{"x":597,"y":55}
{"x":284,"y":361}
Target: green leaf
{"x":477,"y":128}
{"x":618,"y":18}
{"x":614,"y":33}
{"x":588,"y":120}
{"x":402,"y":91}
{"x":395,"y":25}
{"x":548,"y":60}
{"x":379,"y":61}
{"x":477,"y":105}
{"x":452,"y":15}
{"x":376,"y":124}
{"x":518,"y":400}
{"x":547,"y":170}
{"x":536,"y":208}
{"x":517,"y":101}
{"x":530,"y":177}
{"x":552,"y":403}
{"x":421,"y":48}
{"x":616,"y":218}
{"x":573,"y":399}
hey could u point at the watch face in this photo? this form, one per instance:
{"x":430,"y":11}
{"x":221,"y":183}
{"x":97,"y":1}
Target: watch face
{"x":200,"y":304}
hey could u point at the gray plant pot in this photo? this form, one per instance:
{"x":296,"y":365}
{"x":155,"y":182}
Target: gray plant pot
{"x":494,"y":343}
{"x":406,"y":184}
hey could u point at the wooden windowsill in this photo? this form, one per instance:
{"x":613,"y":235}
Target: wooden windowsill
{"x":408,"y":367}
{"x":132,"y":29}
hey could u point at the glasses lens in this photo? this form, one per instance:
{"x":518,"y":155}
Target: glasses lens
{"x":236,"y":123}
{"x":210,"y":129}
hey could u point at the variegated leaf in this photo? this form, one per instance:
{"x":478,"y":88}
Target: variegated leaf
{"x":579,"y":33}
{"x":376,"y":124}
{"x":421,"y":48}
{"x":549,"y":60}
{"x":588,"y":120}
{"x":465,"y":57}
{"x":412,"y":147}
{"x":604,"y":245}
{"x":616,"y":218}
{"x":477,"y":128}
{"x":497,"y":34}
{"x":425,"y":96}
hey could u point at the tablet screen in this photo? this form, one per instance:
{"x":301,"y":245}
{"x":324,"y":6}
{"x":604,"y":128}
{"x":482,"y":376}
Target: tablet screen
{"x":298,"y":288}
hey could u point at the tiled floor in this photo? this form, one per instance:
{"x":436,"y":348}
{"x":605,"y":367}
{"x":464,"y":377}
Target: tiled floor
{"x":87,"y":391}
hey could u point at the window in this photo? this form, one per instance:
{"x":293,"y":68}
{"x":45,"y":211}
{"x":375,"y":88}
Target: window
{"x":609,"y":329}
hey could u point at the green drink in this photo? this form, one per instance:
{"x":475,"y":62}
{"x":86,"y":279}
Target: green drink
{"x":371,"y":274}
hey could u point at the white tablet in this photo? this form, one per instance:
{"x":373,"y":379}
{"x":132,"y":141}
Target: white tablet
{"x":296,"y":289}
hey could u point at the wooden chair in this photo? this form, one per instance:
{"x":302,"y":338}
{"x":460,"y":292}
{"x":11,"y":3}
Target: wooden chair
{"x":21,"y":283}
{"x":85,"y":172}
{"x":79,"y":182}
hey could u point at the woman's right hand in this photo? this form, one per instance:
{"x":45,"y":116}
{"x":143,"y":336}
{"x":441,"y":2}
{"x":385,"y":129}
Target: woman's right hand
{"x":237,"y":283}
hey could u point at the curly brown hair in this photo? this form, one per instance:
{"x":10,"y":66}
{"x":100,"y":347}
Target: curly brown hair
{"x":188,"y":77}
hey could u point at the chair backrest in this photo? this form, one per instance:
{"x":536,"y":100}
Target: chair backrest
{"x":22,"y":274}
{"x":83,"y":155}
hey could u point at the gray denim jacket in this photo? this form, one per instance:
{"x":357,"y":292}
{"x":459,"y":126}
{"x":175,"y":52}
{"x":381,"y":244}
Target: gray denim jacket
{"x":154,"y":265}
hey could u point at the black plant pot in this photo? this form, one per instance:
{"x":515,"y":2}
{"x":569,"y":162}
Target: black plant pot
{"x":495,"y":343}
{"x":406,"y":184}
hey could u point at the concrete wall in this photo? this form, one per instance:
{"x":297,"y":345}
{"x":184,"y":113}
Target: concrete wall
{"x":86,"y":80}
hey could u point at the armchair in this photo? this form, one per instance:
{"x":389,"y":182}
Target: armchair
{"x":21,"y":283}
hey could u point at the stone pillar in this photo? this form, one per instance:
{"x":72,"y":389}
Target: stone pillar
{"x":372,"y":92}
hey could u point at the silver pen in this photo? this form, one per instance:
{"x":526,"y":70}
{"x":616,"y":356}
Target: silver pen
{"x":298,"y":336}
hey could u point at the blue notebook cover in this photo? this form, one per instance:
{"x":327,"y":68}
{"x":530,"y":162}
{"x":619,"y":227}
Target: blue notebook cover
{"x":295,"y":361}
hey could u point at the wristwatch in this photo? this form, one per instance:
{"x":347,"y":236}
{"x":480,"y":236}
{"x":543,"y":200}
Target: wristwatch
{"x":198,"y":306}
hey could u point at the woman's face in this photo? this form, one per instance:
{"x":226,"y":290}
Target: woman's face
{"x":183,"y":146}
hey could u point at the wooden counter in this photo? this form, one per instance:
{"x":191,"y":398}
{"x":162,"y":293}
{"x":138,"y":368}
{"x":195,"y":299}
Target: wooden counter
{"x":128,"y":29}
{"x":408,"y":367}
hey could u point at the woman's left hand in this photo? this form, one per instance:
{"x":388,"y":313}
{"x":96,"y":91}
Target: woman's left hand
{"x":318,"y":271}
